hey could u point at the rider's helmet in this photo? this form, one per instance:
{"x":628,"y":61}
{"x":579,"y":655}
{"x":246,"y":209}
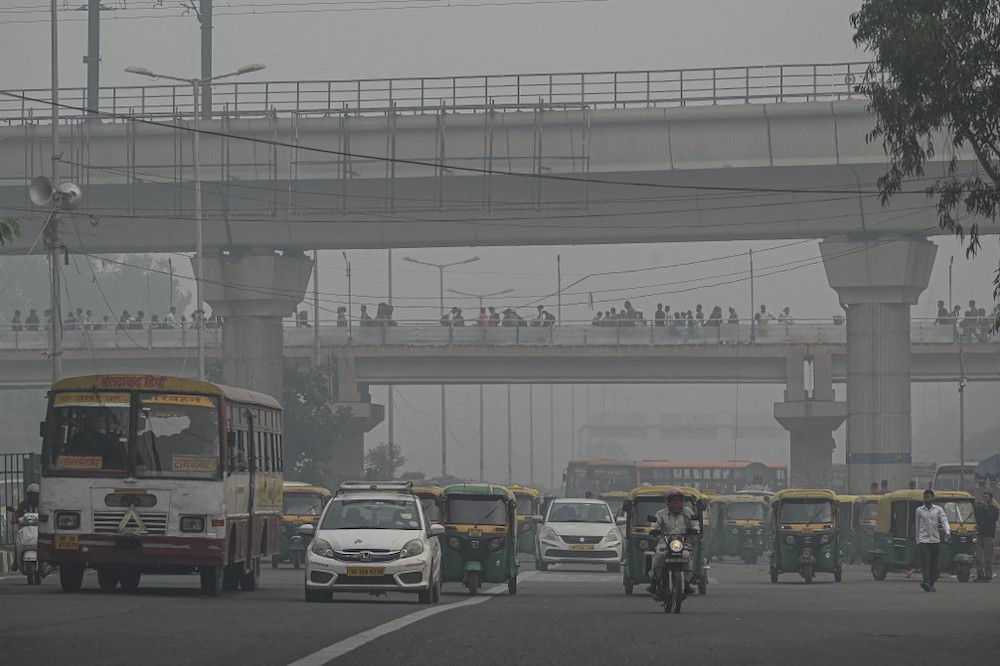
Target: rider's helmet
{"x":675,"y":498}
{"x":33,"y":489}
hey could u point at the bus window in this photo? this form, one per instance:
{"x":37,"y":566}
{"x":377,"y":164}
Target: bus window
{"x":178,"y":435}
{"x":89,"y":431}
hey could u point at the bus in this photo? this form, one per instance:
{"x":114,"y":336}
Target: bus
{"x":950,"y":476}
{"x":599,"y":476}
{"x":156,"y":474}
{"x":724,"y":477}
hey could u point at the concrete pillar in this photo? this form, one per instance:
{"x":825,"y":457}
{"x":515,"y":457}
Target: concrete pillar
{"x":253,"y":293}
{"x":878,"y":280}
{"x":354,"y":401}
{"x":810,"y":415}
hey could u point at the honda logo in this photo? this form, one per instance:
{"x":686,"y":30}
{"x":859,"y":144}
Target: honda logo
{"x":366,"y":556}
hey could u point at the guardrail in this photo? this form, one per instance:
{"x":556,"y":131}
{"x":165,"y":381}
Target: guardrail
{"x":424,"y":334}
{"x":593,"y":90}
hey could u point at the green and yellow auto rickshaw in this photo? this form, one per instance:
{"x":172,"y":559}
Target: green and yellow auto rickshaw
{"x":864,"y":532}
{"x":430,"y":499}
{"x":301,"y":503}
{"x":738,"y":524}
{"x":529,"y":506}
{"x":479,"y":543}
{"x":895,"y":546}
{"x":640,"y":547}
{"x":804,"y":528}
{"x":848,"y":522}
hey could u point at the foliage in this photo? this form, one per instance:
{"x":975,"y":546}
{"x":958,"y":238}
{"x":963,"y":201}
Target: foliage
{"x":8,"y":229}
{"x":937,"y":73}
{"x":311,"y":427}
{"x":381,"y":462}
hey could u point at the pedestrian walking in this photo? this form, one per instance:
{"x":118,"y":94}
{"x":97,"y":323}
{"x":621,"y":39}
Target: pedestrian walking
{"x":929,"y":522}
{"x":986,"y":513}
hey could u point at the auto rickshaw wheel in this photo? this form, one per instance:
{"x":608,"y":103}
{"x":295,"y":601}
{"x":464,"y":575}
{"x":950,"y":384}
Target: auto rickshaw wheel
{"x":627,"y":582}
{"x":879,"y":570}
{"x":472,"y":581}
{"x":838,"y":576}
{"x":702,"y":584}
{"x":807,"y":573}
{"x":963,"y":573}
{"x":512,"y":585}
{"x":774,"y":575}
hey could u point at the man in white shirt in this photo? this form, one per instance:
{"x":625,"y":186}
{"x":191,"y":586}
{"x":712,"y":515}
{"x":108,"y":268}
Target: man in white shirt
{"x":928,"y":524}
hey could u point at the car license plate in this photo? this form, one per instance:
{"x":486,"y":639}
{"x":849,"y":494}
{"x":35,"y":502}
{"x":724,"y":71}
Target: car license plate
{"x":365,"y":571}
{"x":581,"y":547}
{"x":67,"y":542}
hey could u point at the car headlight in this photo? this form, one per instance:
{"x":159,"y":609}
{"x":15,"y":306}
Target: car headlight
{"x":412,"y":547}
{"x":192,"y":523}
{"x":613,"y":535}
{"x":790,"y":540}
{"x":322,"y":548}
{"x":675,"y":545}
{"x":66,"y":520}
{"x":825,"y":539}
{"x":549,"y":534}
{"x":644,"y":544}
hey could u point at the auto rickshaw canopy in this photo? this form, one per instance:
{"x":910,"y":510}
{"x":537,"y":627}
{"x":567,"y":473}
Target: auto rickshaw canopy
{"x":524,"y":491}
{"x":883,"y":519}
{"x":478,"y":489}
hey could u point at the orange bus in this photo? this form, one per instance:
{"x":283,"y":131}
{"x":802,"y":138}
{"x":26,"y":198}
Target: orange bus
{"x":599,"y":476}
{"x":723,"y":477}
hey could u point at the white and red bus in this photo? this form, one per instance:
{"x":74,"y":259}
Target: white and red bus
{"x":154,"y":474}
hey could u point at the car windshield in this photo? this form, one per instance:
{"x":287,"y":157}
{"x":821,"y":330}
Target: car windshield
{"x":302,"y":504}
{"x":745,"y":511}
{"x":579,"y":512}
{"x":177,"y":436}
{"x":372,"y":514}
{"x":806,"y":511}
{"x":525,"y":506}
{"x":958,"y":511}
{"x":466,"y":511}
{"x":90,"y":432}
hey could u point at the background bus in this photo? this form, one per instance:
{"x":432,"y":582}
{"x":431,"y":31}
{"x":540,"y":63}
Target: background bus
{"x":955,"y":476}
{"x":599,"y":476}
{"x":153,"y":474}
{"x":723,"y":477}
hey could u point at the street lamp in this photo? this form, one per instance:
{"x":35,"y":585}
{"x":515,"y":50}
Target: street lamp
{"x":481,"y":425}
{"x":441,"y":267}
{"x":195,"y":84}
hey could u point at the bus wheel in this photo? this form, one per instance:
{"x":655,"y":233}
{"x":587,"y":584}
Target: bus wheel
{"x":231,"y":577}
{"x":212,"y":580}
{"x":70,"y":577}
{"x":250,"y":580}
{"x":128,"y":578}
{"x":107,"y":578}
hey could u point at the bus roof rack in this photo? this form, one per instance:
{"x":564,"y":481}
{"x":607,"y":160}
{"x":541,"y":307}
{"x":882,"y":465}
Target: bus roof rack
{"x":376,"y":486}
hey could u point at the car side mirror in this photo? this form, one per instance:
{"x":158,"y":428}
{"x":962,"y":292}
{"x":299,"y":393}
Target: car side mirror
{"x":651,"y":518}
{"x":537,"y":518}
{"x":306,"y":530}
{"x":436,"y":530}
{"x":620,"y":520}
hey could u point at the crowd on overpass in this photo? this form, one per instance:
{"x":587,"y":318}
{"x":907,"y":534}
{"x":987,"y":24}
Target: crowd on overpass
{"x":973,"y":324}
{"x":84,"y":320}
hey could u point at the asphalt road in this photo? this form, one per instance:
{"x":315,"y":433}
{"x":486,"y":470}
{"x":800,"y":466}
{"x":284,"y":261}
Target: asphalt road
{"x":568,"y":615}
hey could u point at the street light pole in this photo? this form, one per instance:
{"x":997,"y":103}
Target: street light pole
{"x":55,"y":284}
{"x":195,"y":83}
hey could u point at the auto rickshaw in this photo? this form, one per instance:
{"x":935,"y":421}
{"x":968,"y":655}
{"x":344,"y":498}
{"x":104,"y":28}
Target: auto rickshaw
{"x":479,"y":543}
{"x":529,"y":505}
{"x":848,"y":517}
{"x":430,"y":499}
{"x":804,"y":528}
{"x":640,"y":547}
{"x":615,"y":500}
{"x":738,"y":527}
{"x":864,"y":533}
{"x":895,"y":547}
{"x":301,"y":503}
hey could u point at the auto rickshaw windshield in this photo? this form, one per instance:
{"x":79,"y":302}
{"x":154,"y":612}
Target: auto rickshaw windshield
{"x":525,"y":506}
{"x":959,"y":511}
{"x":302,"y":504}
{"x":869,"y":511}
{"x":646,"y":505}
{"x":745,"y":511}
{"x":806,"y":511}
{"x":485,"y":511}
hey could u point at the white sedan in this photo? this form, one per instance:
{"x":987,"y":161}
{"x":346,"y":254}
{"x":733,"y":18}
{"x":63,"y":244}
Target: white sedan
{"x":373,"y":542}
{"x":578,"y":531}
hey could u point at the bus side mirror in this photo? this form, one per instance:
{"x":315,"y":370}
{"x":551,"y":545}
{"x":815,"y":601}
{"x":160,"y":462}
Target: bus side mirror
{"x":41,"y":429}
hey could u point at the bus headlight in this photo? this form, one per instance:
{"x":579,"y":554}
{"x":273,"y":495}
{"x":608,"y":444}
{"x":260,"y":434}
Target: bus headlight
{"x":67,"y":520}
{"x":192,"y":523}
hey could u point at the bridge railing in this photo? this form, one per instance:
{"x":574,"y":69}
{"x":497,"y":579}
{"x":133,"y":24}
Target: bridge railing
{"x":426,"y":334}
{"x":623,"y":89}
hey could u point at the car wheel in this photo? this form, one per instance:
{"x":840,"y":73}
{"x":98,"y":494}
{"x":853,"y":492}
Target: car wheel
{"x":437,"y":590}
{"x":541,"y":566}
{"x":627,"y":582}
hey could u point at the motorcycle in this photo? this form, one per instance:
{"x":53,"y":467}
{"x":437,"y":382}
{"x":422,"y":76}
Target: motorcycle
{"x":26,"y":549}
{"x":670,"y":592}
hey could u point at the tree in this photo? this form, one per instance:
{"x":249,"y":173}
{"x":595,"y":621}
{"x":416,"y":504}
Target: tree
{"x":8,"y":229}
{"x":312,"y":429}
{"x":937,"y":72}
{"x":382,"y":462}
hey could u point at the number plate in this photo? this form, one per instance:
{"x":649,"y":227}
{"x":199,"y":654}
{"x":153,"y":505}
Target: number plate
{"x":67,"y":542}
{"x":475,"y":533}
{"x":365,"y":571}
{"x":581,"y":547}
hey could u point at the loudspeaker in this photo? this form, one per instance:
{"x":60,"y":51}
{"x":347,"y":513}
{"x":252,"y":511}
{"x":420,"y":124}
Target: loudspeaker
{"x":70,"y":196}
{"x":41,"y":191}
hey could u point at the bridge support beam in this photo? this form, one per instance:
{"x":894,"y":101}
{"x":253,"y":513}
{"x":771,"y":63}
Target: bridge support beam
{"x":810,"y":415}
{"x":348,"y":458}
{"x":878,"y":281}
{"x":253,"y":292}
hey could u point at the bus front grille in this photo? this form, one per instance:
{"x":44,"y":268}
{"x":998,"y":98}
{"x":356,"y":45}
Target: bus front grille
{"x":110,"y":522}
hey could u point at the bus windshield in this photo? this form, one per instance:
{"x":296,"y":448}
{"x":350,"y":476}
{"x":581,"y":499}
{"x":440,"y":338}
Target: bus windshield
{"x":950,"y":477}
{"x":88,"y":432}
{"x":178,"y":436}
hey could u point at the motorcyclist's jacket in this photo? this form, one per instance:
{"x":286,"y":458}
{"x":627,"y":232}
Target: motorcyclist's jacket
{"x":674,"y":523}
{"x":26,"y":506}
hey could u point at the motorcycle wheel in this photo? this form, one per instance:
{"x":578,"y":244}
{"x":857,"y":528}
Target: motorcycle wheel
{"x":677,"y":582}
{"x":31,"y":570}
{"x":774,"y":575}
{"x":107,"y":579}
{"x":703,"y":584}
{"x":627,"y":582}
{"x":70,"y":577}
{"x":472,"y":582}
{"x":807,"y":573}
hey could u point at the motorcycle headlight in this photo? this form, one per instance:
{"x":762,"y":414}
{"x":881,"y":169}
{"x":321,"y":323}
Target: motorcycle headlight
{"x":65,"y":520}
{"x":412,"y":547}
{"x":613,"y":535}
{"x":644,"y":544}
{"x":825,"y":539}
{"x":322,"y":548}
{"x":735,"y":530}
{"x":549,"y":534}
{"x":675,"y":545}
{"x":790,"y":540}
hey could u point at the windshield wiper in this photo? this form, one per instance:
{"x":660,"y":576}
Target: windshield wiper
{"x":487,"y":516}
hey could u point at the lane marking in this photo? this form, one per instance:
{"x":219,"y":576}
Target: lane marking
{"x":340,"y":648}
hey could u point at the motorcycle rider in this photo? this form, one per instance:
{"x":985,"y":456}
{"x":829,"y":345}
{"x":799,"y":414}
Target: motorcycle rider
{"x":676,"y":519}
{"x":28,"y":505}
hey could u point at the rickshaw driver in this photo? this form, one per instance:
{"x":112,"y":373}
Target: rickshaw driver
{"x":673,"y":520}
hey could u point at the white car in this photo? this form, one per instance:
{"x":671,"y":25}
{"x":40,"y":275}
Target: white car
{"x":578,"y":531}
{"x":373,"y":538}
